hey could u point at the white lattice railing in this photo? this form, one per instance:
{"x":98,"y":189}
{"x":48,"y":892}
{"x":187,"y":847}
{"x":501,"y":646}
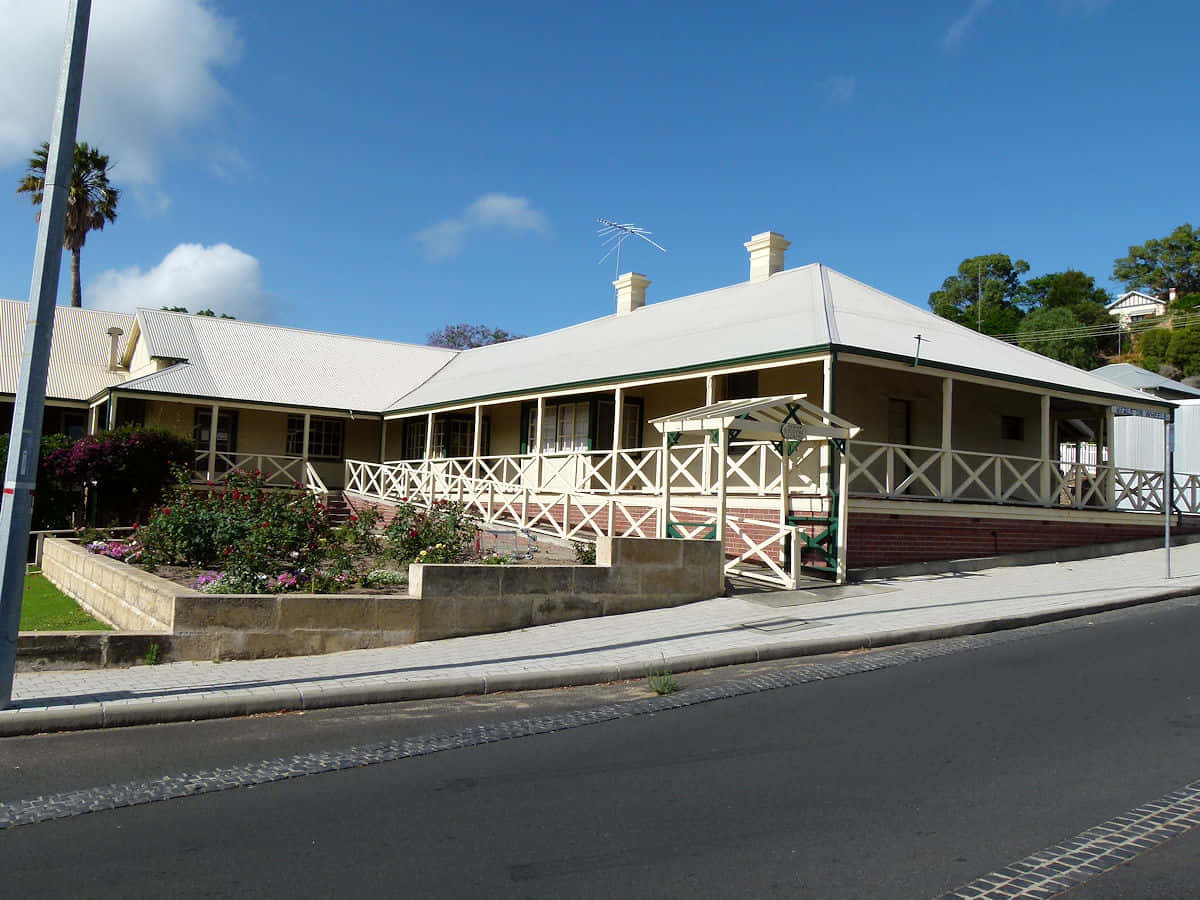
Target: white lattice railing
{"x":277,"y":470}
{"x":898,"y":472}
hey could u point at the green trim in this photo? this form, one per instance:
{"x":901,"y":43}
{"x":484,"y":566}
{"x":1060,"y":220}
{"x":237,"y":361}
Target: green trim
{"x":615,"y":380}
{"x":674,"y":530}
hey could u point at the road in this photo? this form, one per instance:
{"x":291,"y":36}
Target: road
{"x":908,"y":780}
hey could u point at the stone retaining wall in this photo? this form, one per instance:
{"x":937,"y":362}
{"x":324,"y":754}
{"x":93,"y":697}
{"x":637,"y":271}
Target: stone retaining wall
{"x":444,"y":600}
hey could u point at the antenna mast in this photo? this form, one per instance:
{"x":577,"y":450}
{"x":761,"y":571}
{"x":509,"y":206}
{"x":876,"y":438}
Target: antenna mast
{"x":613,"y":235}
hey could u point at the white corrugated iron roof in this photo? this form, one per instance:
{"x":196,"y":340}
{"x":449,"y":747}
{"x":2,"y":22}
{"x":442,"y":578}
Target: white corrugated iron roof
{"x":245,"y":361}
{"x":79,"y":353}
{"x":799,"y":309}
{"x":1132,"y":376}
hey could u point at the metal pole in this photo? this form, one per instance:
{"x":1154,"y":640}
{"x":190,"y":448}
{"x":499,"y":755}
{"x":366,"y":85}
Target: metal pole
{"x":21,"y":474}
{"x":1168,"y":484}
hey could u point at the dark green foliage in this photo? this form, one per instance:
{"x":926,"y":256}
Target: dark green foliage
{"x":1152,"y":345}
{"x":1184,"y":350}
{"x":1161,"y":264}
{"x":993,"y":278}
{"x":1185,"y":303}
{"x":1081,"y":352}
{"x":54,"y":500}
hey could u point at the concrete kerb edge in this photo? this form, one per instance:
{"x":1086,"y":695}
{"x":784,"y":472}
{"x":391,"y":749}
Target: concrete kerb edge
{"x":250,"y":701}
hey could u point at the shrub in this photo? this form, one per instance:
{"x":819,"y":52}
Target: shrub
{"x":54,"y":501}
{"x":243,"y":527}
{"x":585,"y":553}
{"x":442,"y":533}
{"x":126,"y":471}
{"x":1153,"y":347}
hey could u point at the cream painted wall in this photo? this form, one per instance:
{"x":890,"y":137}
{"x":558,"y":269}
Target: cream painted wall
{"x":977,"y":413}
{"x":506,"y":428}
{"x":864,"y":392}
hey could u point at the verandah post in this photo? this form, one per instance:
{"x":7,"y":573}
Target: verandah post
{"x":1044,"y":479}
{"x":947,"y":469}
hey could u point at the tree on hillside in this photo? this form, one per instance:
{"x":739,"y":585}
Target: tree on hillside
{"x":91,"y":201}
{"x":464,"y":336}
{"x":1161,"y":264}
{"x":985,"y":294}
{"x":1184,"y":350}
{"x":1152,"y":348}
{"x":1076,"y":292}
{"x":1077,"y":351}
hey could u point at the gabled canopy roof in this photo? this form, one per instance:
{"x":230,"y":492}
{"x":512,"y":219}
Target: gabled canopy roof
{"x":79,"y":353}
{"x":809,"y":308}
{"x":245,"y":361}
{"x":762,"y":418}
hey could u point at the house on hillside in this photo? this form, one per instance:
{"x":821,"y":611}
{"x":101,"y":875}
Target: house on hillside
{"x":1134,"y":306}
{"x":902,"y":436}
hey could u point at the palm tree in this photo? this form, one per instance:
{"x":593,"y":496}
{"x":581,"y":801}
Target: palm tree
{"x":91,"y":202}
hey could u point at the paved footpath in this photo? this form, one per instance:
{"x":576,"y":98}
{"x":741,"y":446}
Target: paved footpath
{"x":723,"y":631}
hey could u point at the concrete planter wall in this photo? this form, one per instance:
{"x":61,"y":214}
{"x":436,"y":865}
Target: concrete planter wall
{"x":631,"y":574}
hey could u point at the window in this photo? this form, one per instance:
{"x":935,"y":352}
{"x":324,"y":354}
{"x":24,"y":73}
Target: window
{"x":565,"y":428}
{"x":1012,"y":428}
{"x":414,"y":439}
{"x":326,"y":437}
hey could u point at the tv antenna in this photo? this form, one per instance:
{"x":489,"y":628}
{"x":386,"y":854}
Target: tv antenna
{"x":614,"y":234}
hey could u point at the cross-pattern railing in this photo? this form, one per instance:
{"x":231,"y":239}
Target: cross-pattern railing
{"x":898,"y":472}
{"x":276,"y":469}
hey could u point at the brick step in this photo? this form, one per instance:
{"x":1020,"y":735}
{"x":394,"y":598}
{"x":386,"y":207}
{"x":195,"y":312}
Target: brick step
{"x":339,"y":510}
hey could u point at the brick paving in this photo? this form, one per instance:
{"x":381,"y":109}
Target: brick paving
{"x":743,"y":628}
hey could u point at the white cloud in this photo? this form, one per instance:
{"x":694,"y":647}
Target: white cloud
{"x":219,"y":277}
{"x":958,"y":29}
{"x":446,"y":239}
{"x":838,"y":90}
{"x":149,"y":80}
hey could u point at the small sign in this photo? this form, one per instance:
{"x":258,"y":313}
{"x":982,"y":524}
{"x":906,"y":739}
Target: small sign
{"x":792,"y":431}
{"x":1159,"y":414}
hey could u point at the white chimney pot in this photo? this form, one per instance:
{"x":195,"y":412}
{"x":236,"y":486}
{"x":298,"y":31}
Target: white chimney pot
{"x":766,"y":254}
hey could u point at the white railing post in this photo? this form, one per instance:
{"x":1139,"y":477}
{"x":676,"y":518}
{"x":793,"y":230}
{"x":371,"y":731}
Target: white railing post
{"x":212,"y":443}
{"x":946,"y":481}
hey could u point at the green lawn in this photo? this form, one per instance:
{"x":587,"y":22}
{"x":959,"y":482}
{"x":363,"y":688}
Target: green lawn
{"x":46,"y":608}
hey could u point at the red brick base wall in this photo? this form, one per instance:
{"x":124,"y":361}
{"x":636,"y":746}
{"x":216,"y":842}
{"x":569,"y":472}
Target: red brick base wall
{"x":880,"y":539}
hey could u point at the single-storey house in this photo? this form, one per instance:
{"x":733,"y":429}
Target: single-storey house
{"x":901,"y":435}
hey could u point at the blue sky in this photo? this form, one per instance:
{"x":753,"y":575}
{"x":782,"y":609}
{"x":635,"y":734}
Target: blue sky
{"x":383,"y":169}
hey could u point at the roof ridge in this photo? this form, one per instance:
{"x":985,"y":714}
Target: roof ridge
{"x":247,"y":322}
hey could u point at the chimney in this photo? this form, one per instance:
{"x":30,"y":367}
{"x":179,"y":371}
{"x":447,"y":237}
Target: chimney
{"x":766,"y":254}
{"x":114,"y":355}
{"x":1172,"y":295}
{"x":631,"y":292}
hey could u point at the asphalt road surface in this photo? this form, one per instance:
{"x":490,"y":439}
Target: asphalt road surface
{"x":910,"y":780}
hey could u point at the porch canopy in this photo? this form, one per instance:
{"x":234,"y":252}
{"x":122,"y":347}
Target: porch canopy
{"x":789,"y":420}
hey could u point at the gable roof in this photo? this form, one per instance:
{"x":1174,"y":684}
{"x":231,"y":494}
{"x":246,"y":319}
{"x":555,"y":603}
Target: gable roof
{"x":1136,"y":298}
{"x":809,"y":308}
{"x":229,"y":359}
{"x":1132,"y":376}
{"x":79,"y":352}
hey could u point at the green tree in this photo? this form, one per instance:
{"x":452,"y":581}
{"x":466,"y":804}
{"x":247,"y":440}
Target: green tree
{"x":985,"y":294}
{"x":91,"y":200}
{"x":1152,"y":346}
{"x":1078,"y":351}
{"x":1184,"y":350}
{"x":464,"y":336}
{"x":1077,"y":292}
{"x":1161,"y":264}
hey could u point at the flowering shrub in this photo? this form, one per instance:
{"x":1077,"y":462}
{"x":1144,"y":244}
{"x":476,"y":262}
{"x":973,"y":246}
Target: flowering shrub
{"x":242,"y":527}
{"x":126,"y":551}
{"x":442,"y":533}
{"x":126,"y":471}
